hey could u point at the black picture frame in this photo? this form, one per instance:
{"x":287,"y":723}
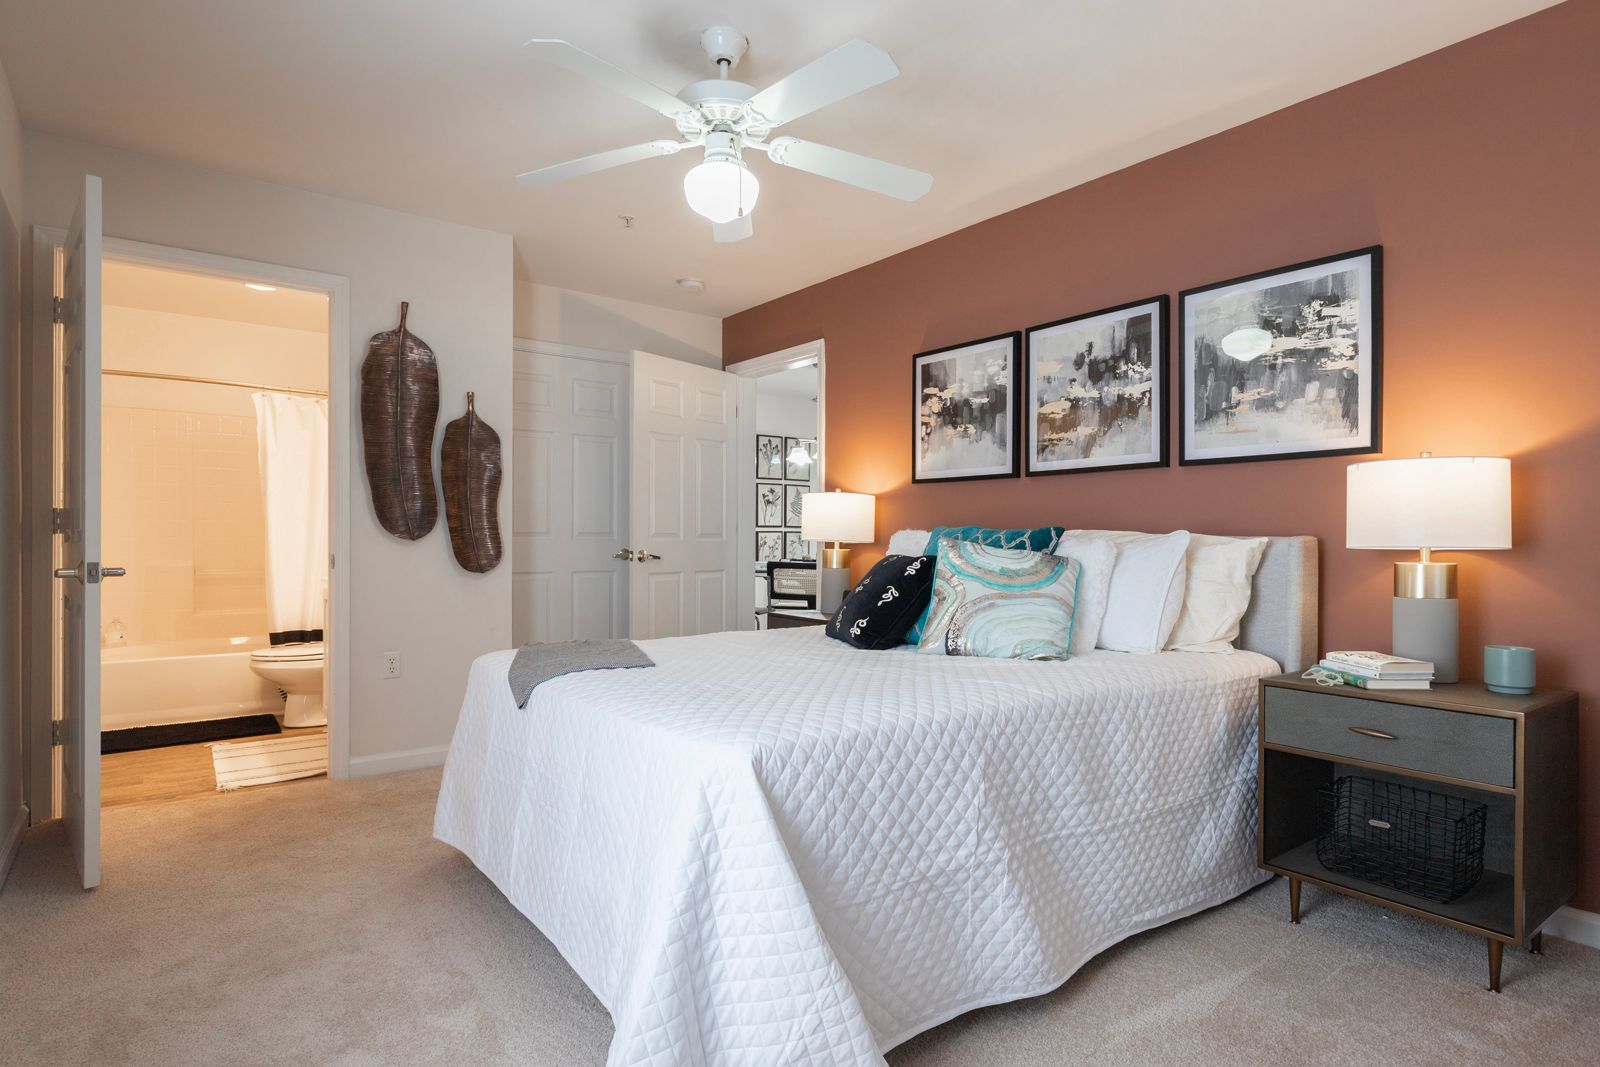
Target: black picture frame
{"x":765,"y":441}
{"x":795,"y":472}
{"x":763,"y":517}
{"x":1012,"y":406}
{"x":1161,"y":381}
{"x":794,"y":547}
{"x":769,"y":546}
{"x":793,"y":496}
{"x":1368,"y":263}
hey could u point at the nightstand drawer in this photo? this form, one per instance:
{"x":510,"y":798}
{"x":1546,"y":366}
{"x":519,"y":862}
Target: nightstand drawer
{"x":1476,"y":748}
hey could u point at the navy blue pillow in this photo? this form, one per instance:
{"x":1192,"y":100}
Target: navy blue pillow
{"x":882,"y":607}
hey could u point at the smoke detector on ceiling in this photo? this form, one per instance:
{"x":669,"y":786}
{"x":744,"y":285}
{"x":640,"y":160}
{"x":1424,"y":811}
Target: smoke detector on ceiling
{"x":692,"y":285}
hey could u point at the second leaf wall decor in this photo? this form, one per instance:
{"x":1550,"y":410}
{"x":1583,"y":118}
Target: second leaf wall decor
{"x":399,"y":411}
{"x":471,"y":467}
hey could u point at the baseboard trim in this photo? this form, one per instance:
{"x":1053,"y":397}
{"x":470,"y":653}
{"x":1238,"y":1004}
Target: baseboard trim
{"x":12,"y":844}
{"x":390,"y":762}
{"x":1576,"y":925}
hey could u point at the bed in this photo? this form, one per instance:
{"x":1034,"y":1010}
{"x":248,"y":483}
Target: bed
{"x":772,"y":848}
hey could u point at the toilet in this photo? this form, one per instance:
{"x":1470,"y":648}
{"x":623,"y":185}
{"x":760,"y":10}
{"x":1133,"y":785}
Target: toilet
{"x":297,"y":670}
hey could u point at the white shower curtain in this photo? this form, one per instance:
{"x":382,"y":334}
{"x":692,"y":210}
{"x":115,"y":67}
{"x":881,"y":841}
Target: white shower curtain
{"x":292,"y":434}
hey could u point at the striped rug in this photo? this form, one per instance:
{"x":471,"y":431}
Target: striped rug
{"x":279,"y":759}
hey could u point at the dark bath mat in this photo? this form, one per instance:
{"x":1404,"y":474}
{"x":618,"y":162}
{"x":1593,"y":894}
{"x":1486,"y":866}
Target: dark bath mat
{"x":187,"y":733}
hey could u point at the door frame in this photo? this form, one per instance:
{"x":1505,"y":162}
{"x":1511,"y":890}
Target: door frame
{"x":748,"y":370}
{"x":41,"y":773}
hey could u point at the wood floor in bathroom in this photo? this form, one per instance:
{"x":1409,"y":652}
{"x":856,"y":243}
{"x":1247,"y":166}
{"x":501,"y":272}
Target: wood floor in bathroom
{"x":178,"y":772}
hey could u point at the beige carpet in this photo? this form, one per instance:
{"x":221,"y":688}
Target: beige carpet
{"x":318,"y":922}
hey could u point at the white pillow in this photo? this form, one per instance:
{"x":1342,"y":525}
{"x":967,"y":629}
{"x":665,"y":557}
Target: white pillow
{"x":907,"y":543}
{"x":1098,"y":557}
{"x":1216,"y":592}
{"x":1146,"y":589}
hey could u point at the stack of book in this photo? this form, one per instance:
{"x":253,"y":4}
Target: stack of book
{"x":1379,"y":670}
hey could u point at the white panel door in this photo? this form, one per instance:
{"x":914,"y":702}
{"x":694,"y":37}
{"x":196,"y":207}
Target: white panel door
{"x":684,"y":489}
{"x":570,"y":498}
{"x":79,"y":576}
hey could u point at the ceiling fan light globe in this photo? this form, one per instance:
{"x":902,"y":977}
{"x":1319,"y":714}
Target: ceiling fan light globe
{"x":721,"y":190}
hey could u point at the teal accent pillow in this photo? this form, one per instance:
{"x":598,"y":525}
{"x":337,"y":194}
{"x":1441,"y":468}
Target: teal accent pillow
{"x":1003,"y":603}
{"x":1043,"y":539}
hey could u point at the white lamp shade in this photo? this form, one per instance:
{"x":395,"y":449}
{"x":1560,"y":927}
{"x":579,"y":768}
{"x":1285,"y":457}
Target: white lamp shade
{"x":1448,"y":502}
{"x":838,"y":517}
{"x":721,"y":189}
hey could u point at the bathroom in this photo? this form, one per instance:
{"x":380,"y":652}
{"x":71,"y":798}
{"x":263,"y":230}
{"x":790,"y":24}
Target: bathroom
{"x":214,"y":500}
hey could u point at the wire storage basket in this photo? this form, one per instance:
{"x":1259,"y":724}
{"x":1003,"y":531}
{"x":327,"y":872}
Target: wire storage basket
{"x":1403,"y":837}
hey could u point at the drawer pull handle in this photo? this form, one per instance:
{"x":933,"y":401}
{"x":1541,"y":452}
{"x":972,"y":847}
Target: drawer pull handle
{"x":1367,"y":731}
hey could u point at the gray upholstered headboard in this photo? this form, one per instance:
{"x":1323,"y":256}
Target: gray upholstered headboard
{"x":1282,"y":619}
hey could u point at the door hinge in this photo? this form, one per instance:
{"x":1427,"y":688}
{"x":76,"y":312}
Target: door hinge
{"x":58,"y":313}
{"x":58,"y":520}
{"x":56,"y":740}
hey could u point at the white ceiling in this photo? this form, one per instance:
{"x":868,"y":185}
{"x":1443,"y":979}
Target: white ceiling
{"x":431,"y":107}
{"x":134,"y":285}
{"x":798,"y":382}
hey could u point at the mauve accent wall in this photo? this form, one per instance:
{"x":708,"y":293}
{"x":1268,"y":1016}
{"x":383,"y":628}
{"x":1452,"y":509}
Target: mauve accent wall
{"x":1477,"y":168}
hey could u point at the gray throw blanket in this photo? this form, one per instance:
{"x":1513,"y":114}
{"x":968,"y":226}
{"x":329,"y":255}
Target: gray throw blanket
{"x":535,"y":664}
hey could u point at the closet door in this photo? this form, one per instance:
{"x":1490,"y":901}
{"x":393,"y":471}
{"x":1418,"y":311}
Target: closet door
{"x":570,"y":497}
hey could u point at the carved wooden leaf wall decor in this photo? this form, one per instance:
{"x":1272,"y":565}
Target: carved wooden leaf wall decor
{"x":399,"y":412}
{"x":470,"y":465}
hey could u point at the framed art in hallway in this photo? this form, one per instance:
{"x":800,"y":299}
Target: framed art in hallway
{"x":793,"y":495}
{"x":1284,"y":364}
{"x":1096,"y":390}
{"x":799,"y":456}
{"x":769,"y":456}
{"x":769,"y":504}
{"x":964,"y":418}
{"x":794,"y":547}
{"x":769,"y":546}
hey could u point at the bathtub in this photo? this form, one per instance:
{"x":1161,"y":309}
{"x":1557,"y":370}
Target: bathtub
{"x":182,"y":681}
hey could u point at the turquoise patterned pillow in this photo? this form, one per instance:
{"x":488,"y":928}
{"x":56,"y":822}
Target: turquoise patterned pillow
{"x":1044,"y":539}
{"x":1003,"y":603}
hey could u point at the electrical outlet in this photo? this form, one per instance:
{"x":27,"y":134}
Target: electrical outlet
{"x":391,"y":665}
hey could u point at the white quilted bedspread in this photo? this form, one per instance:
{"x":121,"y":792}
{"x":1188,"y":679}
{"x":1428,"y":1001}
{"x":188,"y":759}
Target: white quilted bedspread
{"x":774,"y":849}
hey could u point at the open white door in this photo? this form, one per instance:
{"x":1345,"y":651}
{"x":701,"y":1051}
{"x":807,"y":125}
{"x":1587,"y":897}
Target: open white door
{"x":79,"y":578}
{"x":681,"y":580}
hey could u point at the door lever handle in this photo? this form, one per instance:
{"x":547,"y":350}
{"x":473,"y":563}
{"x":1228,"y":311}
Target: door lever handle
{"x":89,"y":572}
{"x":622,"y":554}
{"x":70,"y":572}
{"x":642,"y":556}
{"x":113,"y":572}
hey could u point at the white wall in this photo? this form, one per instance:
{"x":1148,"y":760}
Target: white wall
{"x":407,"y":597}
{"x":568,"y":317}
{"x":10,"y":478}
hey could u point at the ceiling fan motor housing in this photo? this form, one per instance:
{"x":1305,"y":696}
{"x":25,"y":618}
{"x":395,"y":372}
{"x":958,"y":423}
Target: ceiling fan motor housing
{"x":724,"y":44}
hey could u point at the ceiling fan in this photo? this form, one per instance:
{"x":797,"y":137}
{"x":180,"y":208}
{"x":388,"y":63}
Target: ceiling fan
{"x":726,"y":117}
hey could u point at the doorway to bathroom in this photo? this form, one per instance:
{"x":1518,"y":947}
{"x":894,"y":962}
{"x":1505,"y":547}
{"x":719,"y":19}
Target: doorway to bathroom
{"x":214,"y":501}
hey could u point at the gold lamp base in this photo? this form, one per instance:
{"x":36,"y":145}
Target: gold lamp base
{"x":1425,"y":581}
{"x":835,"y":557}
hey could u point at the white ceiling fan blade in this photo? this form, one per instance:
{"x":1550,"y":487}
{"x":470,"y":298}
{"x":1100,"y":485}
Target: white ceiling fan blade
{"x":568,"y":55}
{"x":890,"y":179}
{"x":728,"y":232}
{"x":616,"y":157}
{"x":845,"y":71}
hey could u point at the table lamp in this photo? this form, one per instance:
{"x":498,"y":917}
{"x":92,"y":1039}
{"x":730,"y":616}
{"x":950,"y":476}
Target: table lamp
{"x":1432,"y":503}
{"x":835,"y":517}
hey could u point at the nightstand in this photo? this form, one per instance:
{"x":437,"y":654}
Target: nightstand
{"x":784,"y":618}
{"x":1517,"y":755}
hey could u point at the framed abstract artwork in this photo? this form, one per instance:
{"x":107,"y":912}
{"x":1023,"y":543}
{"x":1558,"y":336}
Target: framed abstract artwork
{"x":769,"y":456}
{"x":769,"y":504}
{"x":964,"y":411}
{"x":1285,"y":364}
{"x":1096,"y":392}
